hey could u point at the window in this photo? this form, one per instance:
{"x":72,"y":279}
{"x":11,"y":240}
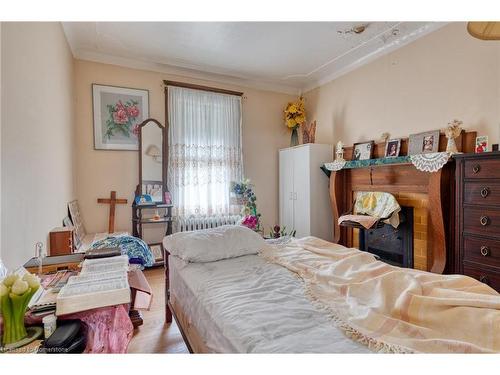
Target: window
{"x":204,"y":151}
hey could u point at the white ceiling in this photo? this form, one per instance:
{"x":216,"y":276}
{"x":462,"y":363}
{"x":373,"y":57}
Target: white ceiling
{"x":283,"y":56}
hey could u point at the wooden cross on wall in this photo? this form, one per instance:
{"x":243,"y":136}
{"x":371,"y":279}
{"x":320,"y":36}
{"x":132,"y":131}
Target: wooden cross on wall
{"x":112,"y":201}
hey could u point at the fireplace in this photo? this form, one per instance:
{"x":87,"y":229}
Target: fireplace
{"x":391,"y":245}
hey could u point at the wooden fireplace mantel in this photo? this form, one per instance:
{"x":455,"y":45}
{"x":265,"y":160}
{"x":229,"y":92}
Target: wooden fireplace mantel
{"x":404,"y":178}
{"x":396,"y":179}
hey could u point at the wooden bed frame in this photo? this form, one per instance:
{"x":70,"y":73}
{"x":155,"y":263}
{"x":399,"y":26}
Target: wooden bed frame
{"x":170,"y":313}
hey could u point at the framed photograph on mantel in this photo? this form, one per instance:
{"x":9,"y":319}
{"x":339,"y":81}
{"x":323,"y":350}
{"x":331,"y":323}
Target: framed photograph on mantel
{"x":423,"y":143}
{"x":392,"y":148}
{"x":362,"y":151}
{"x":117,"y":113}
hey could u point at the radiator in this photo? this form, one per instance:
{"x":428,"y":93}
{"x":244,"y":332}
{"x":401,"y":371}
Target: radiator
{"x":196,"y":223}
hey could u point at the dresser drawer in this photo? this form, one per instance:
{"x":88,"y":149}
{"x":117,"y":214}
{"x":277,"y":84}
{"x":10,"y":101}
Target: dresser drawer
{"x":482,"y":221}
{"x":482,"y":193}
{"x":482,"y":251}
{"x":489,"y":168}
{"x":488,"y":277}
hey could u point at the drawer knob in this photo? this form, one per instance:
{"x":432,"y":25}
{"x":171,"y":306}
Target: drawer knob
{"x":476,"y":168}
{"x":484,"y":279}
{"x":485,"y":251}
{"x":484,"y":192}
{"x":485,"y":220}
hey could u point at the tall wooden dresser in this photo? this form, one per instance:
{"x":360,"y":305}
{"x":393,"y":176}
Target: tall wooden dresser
{"x":477,"y":234}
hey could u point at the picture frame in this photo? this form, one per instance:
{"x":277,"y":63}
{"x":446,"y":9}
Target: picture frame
{"x":481,"y":145}
{"x":362,"y":150}
{"x":117,"y":112}
{"x":392,"y":148}
{"x":67,"y":222}
{"x":423,"y":143}
{"x":76,"y":219}
{"x":158,"y":253}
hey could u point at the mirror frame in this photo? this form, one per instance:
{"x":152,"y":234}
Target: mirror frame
{"x":164,"y":158}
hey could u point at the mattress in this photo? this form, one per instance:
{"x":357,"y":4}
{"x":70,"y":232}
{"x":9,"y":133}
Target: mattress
{"x":246,"y":305}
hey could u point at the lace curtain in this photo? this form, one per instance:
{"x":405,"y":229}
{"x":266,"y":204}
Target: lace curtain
{"x":204,"y":151}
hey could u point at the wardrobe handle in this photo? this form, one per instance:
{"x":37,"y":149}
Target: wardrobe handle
{"x":485,"y":220}
{"x":476,"y":168}
{"x":484,"y":192}
{"x":295,"y":196}
{"x":485,"y":251}
{"x":291,"y":196}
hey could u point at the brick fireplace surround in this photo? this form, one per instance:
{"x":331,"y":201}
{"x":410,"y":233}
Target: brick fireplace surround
{"x":419,"y":202}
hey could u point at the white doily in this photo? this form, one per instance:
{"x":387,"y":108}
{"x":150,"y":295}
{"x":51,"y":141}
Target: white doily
{"x":336,"y":165}
{"x":432,"y":162}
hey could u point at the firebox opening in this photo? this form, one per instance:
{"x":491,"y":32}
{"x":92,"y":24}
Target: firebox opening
{"x":392,"y":245}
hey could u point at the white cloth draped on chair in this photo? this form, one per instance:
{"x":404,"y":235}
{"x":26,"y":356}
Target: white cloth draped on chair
{"x":205,"y":152}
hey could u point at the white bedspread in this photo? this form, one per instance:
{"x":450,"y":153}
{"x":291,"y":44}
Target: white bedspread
{"x":246,"y":305}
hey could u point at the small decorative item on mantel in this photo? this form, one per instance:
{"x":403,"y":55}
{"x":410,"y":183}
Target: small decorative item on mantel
{"x":309,"y":133}
{"x":339,"y":151}
{"x":384,"y":137}
{"x":295,"y":116}
{"x":453,"y":131}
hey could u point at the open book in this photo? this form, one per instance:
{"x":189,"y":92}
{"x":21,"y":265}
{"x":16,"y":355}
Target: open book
{"x":102,"y":282}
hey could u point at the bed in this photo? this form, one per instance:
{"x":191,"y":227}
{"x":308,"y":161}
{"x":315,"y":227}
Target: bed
{"x":263,"y":302}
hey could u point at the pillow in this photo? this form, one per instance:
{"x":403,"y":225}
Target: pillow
{"x":209,"y":245}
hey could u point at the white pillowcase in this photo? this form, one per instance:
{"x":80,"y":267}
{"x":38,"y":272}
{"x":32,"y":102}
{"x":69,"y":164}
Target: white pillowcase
{"x":209,"y":245}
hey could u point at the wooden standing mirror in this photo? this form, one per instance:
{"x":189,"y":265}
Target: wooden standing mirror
{"x":152,"y":160}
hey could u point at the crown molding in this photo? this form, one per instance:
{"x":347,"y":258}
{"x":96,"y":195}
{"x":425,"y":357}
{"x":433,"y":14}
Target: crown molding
{"x":86,"y":55}
{"x":188,"y":71}
{"x":387,"y":48}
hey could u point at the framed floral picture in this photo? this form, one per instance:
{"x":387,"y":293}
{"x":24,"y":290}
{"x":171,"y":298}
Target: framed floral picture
{"x":117,"y":113}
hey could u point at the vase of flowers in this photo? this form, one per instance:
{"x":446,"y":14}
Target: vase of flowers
{"x":246,"y":197}
{"x":15,"y":294}
{"x":295,"y":116}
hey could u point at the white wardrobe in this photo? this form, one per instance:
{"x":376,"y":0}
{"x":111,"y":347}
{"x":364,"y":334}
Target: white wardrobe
{"x":304,"y":195}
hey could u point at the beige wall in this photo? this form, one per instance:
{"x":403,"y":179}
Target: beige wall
{"x":98,"y":172}
{"x":422,"y":86}
{"x":1,"y":140}
{"x":37,"y":135}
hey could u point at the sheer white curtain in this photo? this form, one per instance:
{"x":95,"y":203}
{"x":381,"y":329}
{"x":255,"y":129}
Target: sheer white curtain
{"x":205,"y":152}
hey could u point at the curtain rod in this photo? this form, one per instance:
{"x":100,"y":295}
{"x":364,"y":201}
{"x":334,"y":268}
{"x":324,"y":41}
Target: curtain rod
{"x":203,"y":88}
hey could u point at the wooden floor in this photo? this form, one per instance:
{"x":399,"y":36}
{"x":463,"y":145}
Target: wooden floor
{"x":154,"y":336}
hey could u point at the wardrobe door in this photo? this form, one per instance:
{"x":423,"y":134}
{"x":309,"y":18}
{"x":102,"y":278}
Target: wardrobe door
{"x":301,"y":194}
{"x":286,"y":188}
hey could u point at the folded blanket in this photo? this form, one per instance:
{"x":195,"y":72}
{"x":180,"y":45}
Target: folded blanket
{"x":378,"y":204}
{"x":136,"y":249}
{"x":394,"y":309}
{"x":365,"y":220}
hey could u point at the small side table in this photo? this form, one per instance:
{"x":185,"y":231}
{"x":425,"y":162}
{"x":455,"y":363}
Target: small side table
{"x":138,"y":219}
